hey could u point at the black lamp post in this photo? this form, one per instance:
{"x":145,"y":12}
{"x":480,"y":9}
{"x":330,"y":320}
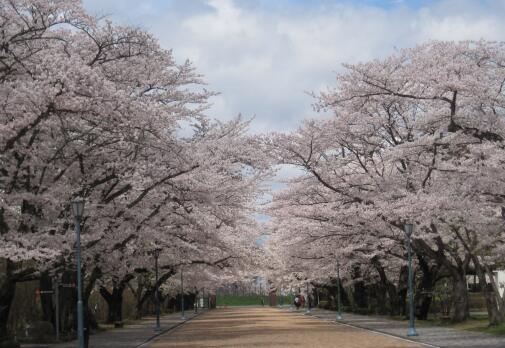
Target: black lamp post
{"x":339,"y":300}
{"x":308,"y":311}
{"x":196,"y":300}
{"x":78,"y":210}
{"x":157,"y":294}
{"x":409,"y":228}
{"x":183,"y":317}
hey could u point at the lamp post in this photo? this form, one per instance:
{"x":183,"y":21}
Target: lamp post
{"x":157,"y":294}
{"x":307,"y":312}
{"x":182,"y":296}
{"x":281,"y":297}
{"x":196,"y":300}
{"x":57,"y":306}
{"x":203,"y":298}
{"x":339,"y":300}
{"x":77,"y":210}
{"x":291,"y":300}
{"x":408,"y":228}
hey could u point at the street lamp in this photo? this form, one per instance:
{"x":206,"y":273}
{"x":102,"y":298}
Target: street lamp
{"x":157,"y":294}
{"x":281,"y":298}
{"x":203,"y":298}
{"x":339,"y":301}
{"x":307,"y":312}
{"x":291,"y":301}
{"x":196,"y":300}
{"x":77,"y":210}
{"x":408,"y":228}
{"x":182,"y":296}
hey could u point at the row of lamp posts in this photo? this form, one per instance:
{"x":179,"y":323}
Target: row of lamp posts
{"x":408,"y":229}
{"x":78,"y":210}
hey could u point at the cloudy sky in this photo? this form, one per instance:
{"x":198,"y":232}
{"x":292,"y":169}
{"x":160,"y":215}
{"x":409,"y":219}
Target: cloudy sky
{"x":264,"y":55}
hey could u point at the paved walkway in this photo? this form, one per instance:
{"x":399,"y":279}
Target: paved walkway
{"x":271,"y":328}
{"x":130,"y":336}
{"x":437,"y":336}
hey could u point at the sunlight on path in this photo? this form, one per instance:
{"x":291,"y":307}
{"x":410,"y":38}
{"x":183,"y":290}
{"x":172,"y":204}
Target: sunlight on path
{"x":268,"y":327}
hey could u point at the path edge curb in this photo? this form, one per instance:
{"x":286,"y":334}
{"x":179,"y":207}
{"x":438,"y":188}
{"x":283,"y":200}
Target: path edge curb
{"x":343,"y":323}
{"x":168,"y":329}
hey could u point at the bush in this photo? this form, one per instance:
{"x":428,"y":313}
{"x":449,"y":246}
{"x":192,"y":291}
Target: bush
{"x":42,"y":331}
{"x":363,"y":311}
{"x":324,"y":304}
{"x":9,"y":344}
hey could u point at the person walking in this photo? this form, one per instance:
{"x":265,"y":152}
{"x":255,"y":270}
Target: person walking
{"x":297,"y":302}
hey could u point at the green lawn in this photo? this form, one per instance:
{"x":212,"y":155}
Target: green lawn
{"x":477,"y":322}
{"x":247,"y":300}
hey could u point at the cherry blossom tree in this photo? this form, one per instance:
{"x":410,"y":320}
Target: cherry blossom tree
{"x":414,"y":137}
{"x":94,"y":110}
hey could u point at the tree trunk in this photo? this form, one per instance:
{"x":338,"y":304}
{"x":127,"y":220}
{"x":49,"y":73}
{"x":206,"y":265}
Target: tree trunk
{"x":96,"y":274}
{"x":68,"y":300}
{"x":46,"y":299}
{"x":402,"y":290}
{"x":495,"y":316}
{"x":460,"y":308}
{"x":424,"y":293}
{"x":491,"y":297}
{"x":142,"y":296}
{"x":114,"y":301}
{"x":457,"y":269}
{"x":388,"y":288}
{"x":138,"y":294}
{"x":359,"y":293}
{"x":7,"y":292}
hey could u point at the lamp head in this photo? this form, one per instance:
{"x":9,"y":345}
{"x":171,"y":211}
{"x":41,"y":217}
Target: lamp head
{"x":408,"y":228}
{"x":157,"y":252}
{"x":78,"y":207}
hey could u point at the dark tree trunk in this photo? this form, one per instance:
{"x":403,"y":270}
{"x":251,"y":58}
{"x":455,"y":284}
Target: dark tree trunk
{"x":423,"y":308}
{"x":96,"y":274}
{"x":389,"y":289}
{"x":138,"y":293}
{"x":8,"y":281}
{"x":359,"y":293}
{"x":494,"y":315}
{"x":46,"y":299}
{"x":402,"y":291}
{"x":7,"y":292}
{"x":68,"y":300}
{"x":142,"y":296}
{"x":457,"y":269}
{"x":424,"y":293}
{"x":460,"y":308}
{"x":493,"y":312}
{"x":114,"y":299}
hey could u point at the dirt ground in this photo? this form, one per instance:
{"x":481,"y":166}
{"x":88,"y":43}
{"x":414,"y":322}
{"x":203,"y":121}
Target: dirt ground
{"x":269,"y":327}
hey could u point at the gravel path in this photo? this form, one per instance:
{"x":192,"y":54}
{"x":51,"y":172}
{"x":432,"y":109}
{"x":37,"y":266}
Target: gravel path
{"x":270,"y":327}
{"x":131,"y":336}
{"x":438,"y":336}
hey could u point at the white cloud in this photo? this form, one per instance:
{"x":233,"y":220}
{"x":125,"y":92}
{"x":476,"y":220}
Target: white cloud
{"x":262,"y":58}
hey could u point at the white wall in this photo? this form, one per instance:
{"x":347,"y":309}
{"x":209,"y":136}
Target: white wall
{"x":500,"y":279}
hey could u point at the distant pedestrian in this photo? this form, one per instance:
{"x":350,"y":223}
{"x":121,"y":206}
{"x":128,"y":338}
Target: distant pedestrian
{"x":302,"y":300}
{"x":262,"y":301}
{"x":297,"y":302}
